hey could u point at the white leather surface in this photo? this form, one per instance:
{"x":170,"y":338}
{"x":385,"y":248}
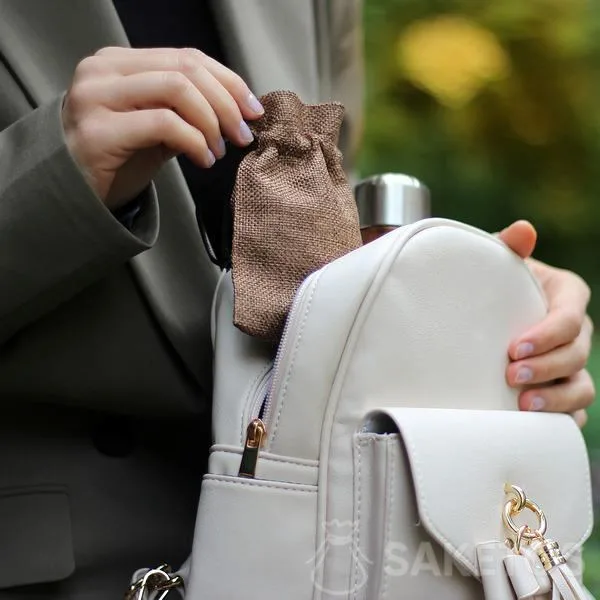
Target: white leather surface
{"x":253,"y":539}
{"x":461,"y":459}
{"x":432,"y":331}
{"x":495,"y":580}
{"x":521,"y":575}
{"x":241,"y":363}
{"x":225,"y":460}
{"x":399,"y":556}
{"x":420,"y":318}
{"x":439,"y":302}
{"x":393,"y":552}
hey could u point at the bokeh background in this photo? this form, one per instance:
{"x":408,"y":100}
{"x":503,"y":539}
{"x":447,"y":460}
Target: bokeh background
{"x":495,"y":105}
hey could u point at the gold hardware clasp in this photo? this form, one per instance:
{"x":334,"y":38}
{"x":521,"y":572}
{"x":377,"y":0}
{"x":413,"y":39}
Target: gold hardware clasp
{"x":560,"y":582}
{"x":516,"y":505}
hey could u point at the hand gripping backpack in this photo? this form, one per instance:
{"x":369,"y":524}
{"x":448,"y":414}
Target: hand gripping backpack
{"x":381,"y":454}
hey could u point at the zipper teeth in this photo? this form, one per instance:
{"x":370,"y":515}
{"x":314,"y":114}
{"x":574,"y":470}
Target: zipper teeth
{"x":276,"y":374}
{"x":261,"y":394}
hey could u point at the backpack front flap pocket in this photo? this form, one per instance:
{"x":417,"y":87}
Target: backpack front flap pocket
{"x":430,"y":493}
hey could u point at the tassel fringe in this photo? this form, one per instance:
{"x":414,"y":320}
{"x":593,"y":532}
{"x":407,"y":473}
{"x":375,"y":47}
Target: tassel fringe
{"x":565,"y":585}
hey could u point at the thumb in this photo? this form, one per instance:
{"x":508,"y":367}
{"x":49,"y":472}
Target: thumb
{"x":520,"y":237}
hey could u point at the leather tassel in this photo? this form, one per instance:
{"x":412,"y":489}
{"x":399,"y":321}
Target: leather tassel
{"x":525,"y":584}
{"x":538,"y":570}
{"x":565,"y":585}
{"x":494,"y":578}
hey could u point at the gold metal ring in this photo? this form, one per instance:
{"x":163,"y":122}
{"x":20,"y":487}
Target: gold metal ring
{"x":518,"y":493}
{"x":522,"y":530}
{"x":510,"y":509}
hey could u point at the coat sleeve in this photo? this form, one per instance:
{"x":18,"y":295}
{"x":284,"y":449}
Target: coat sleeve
{"x":56,"y":236}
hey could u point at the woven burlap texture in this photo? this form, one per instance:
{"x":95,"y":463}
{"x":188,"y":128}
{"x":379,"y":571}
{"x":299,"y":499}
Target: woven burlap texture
{"x":293,"y":210}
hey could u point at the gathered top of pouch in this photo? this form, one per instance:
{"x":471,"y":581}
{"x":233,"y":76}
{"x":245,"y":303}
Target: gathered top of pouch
{"x":293,"y":210}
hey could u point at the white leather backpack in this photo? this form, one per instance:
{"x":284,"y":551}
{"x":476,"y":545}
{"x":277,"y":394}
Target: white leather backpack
{"x":371,"y":459}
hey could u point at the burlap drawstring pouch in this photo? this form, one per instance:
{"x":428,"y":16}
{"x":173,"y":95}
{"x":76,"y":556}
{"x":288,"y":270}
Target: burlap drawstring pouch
{"x":293,"y":210}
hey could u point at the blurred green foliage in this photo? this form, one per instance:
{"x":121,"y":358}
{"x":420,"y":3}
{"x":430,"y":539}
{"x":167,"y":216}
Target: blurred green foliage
{"x":591,"y":432}
{"x":496,"y":107}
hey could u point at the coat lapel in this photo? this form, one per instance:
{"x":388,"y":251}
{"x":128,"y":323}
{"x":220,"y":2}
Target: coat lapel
{"x":273,"y":44}
{"x":43,"y":41}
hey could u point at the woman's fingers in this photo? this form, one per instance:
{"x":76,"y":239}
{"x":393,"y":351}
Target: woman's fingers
{"x":191,"y":57}
{"x":236,"y":86}
{"x":563,"y":361}
{"x":149,"y":128}
{"x":548,"y":360}
{"x":520,"y":237}
{"x":575,"y":393}
{"x":568,"y":296}
{"x":227,"y":93}
{"x":104,"y":142}
{"x":225,"y":105}
{"x":163,"y":89}
{"x":127,"y":111}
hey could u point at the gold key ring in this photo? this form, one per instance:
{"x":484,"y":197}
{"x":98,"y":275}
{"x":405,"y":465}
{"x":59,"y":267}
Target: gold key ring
{"x":518,"y":493}
{"x":516,"y":505}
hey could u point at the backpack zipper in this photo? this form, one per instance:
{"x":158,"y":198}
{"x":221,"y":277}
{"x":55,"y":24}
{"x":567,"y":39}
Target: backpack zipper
{"x":290,"y":332}
{"x":267,"y":390}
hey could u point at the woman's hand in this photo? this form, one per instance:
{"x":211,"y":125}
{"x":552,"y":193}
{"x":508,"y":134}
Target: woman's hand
{"x":128,"y":111}
{"x":549,"y":359}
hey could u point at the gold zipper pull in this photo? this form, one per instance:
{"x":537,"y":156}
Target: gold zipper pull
{"x":256,"y":435}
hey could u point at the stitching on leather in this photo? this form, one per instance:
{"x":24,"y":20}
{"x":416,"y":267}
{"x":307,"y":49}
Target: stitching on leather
{"x":291,"y":462}
{"x":590,"y":526}
{"x":369,"y":297}
{"x":417,"y":473}
{"x":277,"y":460}
{"x":415,"y":467}
{"x":301,"y":462}
{"x":356,"y":546}
{"x":295,"y":352}
{"x":391,"y":471}
{"x":367,"y":441}
{"x":251,"y":483}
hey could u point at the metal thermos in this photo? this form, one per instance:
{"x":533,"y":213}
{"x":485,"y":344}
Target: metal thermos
{"x":388,"y":201}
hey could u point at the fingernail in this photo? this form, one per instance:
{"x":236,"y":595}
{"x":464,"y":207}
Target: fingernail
{"x":245,"y":132}
{"x":210,"y":158}
{"x":524,"y":374}
{"x":254,"y":104}
{"x":221,"y":150}
{"x":537,"y":403}
{"x":524,"y":349}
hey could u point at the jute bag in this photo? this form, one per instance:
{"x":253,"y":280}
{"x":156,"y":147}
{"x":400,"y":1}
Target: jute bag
{"x":293,"y":210}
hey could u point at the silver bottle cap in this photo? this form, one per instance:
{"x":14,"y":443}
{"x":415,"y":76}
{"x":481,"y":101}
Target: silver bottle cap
{"x":391,"y":200}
